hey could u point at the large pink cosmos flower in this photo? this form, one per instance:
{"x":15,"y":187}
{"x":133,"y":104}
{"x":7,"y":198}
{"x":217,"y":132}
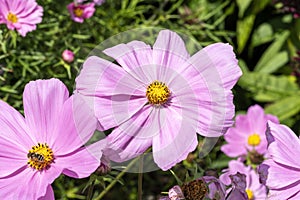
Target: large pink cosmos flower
{"x":80,"y":12}
{"x":161,"y":96}
{"x":20,"y":15}
{"x":248,"y":133}
{"x":254,"y":189}
{"x":282,"y":170}
{"x":36,"y":149}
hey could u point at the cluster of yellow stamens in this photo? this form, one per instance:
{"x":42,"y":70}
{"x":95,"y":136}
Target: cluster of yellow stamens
{"x":40,"y":156}
{"x":254,"y":140}
{"x":78,"y":12}
{"x":158,"y":93}
{"x":12,"y":18}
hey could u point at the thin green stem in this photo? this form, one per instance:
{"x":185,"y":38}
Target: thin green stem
{"x":116,"y":180}
{"x":140,"y":178}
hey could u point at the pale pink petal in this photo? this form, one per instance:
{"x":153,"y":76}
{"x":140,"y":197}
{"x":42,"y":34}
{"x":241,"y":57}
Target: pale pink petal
{"x":234,"y":150}
{"x":280,"y":176}
{"x":43,"y":103}
{"x":176,"y":139}
{"x":131,"y":55}
{"x":257,"y":119}
{"x":289,"y":193}
{"x":224,"y":60}
{"x":169,"y":50}
{"x":75,"y":126}
{"x":285,"y":147}
{"x":134,"y":136}
{"x":81,"y":163}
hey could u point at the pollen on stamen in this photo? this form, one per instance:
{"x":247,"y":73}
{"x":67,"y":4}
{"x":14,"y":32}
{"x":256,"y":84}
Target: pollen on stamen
{"x":158,"y":93}
{"x":254,"y":140}
{"x":40,"y":157}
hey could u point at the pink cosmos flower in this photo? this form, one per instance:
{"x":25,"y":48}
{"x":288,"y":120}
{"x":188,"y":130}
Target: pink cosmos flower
{"x":248,"y":133}
{"x":254,"y":189}
{"x":282,"y":171}
{"x":36,"y":149}
{"x":160,"y":96}
{"x":80,"y":12}
{"x":20,"y":15}
{"x":68,"y":56}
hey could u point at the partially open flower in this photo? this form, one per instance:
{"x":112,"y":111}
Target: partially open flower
{"x":80,"y":12}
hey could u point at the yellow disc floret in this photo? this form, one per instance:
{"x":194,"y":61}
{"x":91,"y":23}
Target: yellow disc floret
{"x":40,"y":157}
{"x":78,"y":12}
{"x":250,"y":194}
{"x":254,"y":140}
{"x":158,"y":93}
{"x":12,"y":18}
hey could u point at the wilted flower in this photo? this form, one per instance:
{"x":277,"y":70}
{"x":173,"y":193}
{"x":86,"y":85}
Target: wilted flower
{"x":281,"y":172}
{"x":238,"y":189}
{"x":248,"y":135}
{"x":20,"y":15}
{"x":47,"y":142}
{"x":80,"y":12}
{"x":161,"y":96}
{"x":68,"y":56}
{"x":253,"y":188}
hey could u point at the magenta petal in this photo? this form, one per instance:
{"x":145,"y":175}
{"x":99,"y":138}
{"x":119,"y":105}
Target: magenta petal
{"x":43,"y":102}
{"x":224,"y":60}
{"x":176,"y":139}
{"x":82,"y":163}
{"x":75,"y":127}
{"x":169,"y":50}
{"x":286,"y":146}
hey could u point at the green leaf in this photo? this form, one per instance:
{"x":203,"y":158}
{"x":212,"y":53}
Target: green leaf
{"x":275,"y":63}
{"x":262,"y":34}
{"x":285,"y":108}
{"x":268,"y":88}
{"x":243,"y":5}
{"x":271,"y":52}
{"x":244,"y":28}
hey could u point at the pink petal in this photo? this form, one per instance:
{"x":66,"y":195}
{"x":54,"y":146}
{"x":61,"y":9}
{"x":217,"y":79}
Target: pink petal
{"x":14,"y":129}
{"x":12,"y":157}
{"x":134,"y":136}
{"x":81,"y":163}
{"x":75,"y":127}
{"x":257,"y":119}
{"x":131,"y":55}
{"x":49,"y":194}
{"x":285,"y":148}
{"x":225,"y":62}
{"x":234,"y":166}
{"x":176,"y":139}
{"x":31,"y":184}
{"x":234,"y":149}
{"x":43,"y":103}
{"x":169,"y":50}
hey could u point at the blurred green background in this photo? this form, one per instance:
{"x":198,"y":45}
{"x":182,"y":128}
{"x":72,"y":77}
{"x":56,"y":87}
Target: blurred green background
{"x":264,"y":37}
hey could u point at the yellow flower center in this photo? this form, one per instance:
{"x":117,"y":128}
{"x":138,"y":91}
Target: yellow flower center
{"x":78,"y":12}
{"x":12,"y":18}
{"x":250,"y":194}
{"x":254,"y":139}
{"x":158,"y":93}
{"x":40,"y":157}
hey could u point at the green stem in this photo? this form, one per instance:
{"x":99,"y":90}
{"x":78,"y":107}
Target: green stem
{"x":140,"y":178}
{"x":116,"y":180}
